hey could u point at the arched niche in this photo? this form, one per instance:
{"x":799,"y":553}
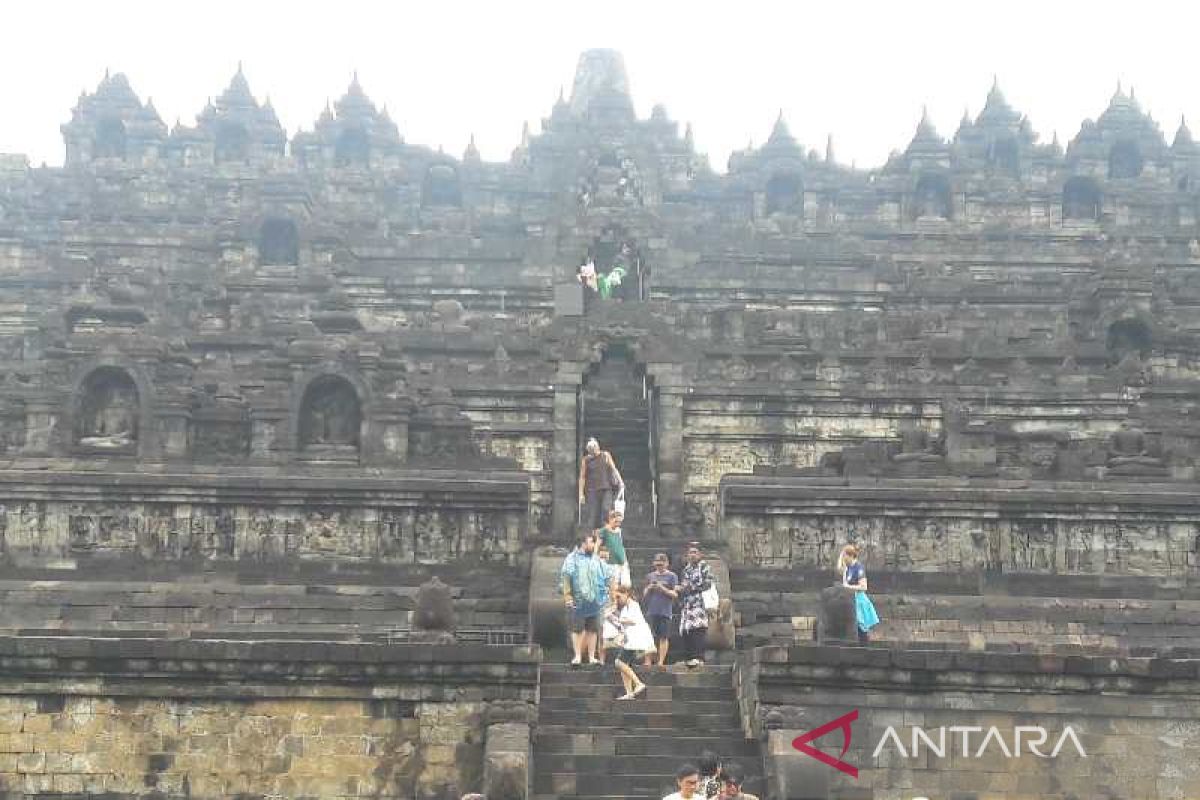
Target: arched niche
{"x":353,"y":148}
{"x":931,"y":198}
{"x":1004,"y":155}
{"x":330,"y":417}
{"x":110,"y":139}
{"x":1081,"y":199}
{"x":278,"y":242}
{"x":785,"y":194}
{"x":1125,"y":160}
{"x":1128,"y":336}
{"x":441,"y":187}
{"x":107,"y":411}
{"x":232,"y":143}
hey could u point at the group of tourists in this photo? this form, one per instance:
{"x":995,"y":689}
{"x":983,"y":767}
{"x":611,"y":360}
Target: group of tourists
{"x":608,"y":613}
{"x":709,"y":778}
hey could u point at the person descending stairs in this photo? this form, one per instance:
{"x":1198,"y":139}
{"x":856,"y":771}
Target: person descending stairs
{"x":589,"y":746}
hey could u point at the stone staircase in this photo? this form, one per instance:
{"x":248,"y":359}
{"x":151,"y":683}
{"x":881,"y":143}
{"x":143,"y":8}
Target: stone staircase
{"x":588,"y":746}
{"x":618,"y":415}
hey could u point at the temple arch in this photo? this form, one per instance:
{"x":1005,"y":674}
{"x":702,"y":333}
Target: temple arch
{"x":107,"y":411}
{"x":1125,"y":160}
{"x":232,"y":143}
{"x":441,"y":187}
{"x":785,"y":194}
{"x":353,"y":148}
{"x":1081,"y":199}
{"x":278,"y":242}
{"x":110,"y":139}
{"x":931,"y":198}
{"x":330,"y":416}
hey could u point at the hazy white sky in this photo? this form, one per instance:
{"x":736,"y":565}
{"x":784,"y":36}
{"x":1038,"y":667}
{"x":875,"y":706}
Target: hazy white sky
{"x":858,"y":70}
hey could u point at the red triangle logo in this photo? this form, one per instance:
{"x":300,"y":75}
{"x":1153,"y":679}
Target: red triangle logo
{"x":843,"y":722}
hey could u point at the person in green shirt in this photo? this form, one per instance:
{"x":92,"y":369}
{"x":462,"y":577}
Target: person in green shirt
{"x":612,"y":539}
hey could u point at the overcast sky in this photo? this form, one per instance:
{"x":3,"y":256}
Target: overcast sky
{"x":445,"y":69}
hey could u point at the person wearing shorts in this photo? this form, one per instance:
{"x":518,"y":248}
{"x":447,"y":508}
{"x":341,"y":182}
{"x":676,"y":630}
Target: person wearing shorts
{"x":659,"y":597}
{"x":585,"y":592}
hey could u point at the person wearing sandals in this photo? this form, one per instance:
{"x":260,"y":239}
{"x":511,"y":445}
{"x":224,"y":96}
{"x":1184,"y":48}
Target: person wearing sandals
{"x":633,"y":637}
{"x":854,"y":577}
{"x":585,"y":591}
{"x":693,"y":617}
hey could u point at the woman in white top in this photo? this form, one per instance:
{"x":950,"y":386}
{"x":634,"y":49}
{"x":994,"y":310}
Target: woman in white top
{"x":634,"y":638}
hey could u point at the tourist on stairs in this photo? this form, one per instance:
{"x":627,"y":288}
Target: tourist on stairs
{"x":732,"y":778}
{"x":693,"y":618}
{"x":599,"y":482}
{"x":687,"y":781}
{"x":660,"y":596}
{"x":608,"y":634}
{"x":854,"y":576}
{"x":612,"y":538}
{"x":585,"y":591}
{"x":633,"y":637}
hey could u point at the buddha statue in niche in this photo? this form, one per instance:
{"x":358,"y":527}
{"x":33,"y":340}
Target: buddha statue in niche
{"x":330,"y":417}
{"x":108,"y":413}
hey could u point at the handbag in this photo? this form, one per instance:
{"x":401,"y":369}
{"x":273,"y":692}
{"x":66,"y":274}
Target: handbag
{"x":712,"y":600}
{"x":611,"y":468}
{"x":619,"y":503}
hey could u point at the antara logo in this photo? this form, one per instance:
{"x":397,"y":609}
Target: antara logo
{"x":1024,"y":737}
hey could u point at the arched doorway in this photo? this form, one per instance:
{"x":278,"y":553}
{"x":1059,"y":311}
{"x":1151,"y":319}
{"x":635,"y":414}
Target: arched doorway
{"x":616,"y":407}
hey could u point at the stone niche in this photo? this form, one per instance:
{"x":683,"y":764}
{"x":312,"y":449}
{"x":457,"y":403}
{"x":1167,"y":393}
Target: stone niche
{"x":986,"y":526}
{"x":107,"y":413}
{"x":331,"y":420}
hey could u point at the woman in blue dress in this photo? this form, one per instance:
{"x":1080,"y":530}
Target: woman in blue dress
{"x":854,"y":577}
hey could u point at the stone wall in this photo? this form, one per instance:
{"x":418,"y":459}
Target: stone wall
{"x":211,"y":720}
{"x":996,"y":612}
{"x":1135,"y":719}
{"x":959,"y":525}
{"x":423,"y":517}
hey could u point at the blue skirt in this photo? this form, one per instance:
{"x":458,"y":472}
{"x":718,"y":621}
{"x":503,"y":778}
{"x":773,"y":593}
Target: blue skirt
{"x":864,"y":612}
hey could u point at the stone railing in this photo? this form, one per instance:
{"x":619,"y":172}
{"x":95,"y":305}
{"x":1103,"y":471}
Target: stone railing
{"x":409,"y":516}
{"x":958,"y":524}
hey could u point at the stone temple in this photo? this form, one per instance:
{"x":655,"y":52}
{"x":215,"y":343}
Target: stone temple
{"x":257,"y":392}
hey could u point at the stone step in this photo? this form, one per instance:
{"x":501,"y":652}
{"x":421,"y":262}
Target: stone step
{"x":708,"y":676}
{"x":654,"y":692}
{"x":568,"y":784}
{"x":637,"y":719}
{"x":641,"y":743}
